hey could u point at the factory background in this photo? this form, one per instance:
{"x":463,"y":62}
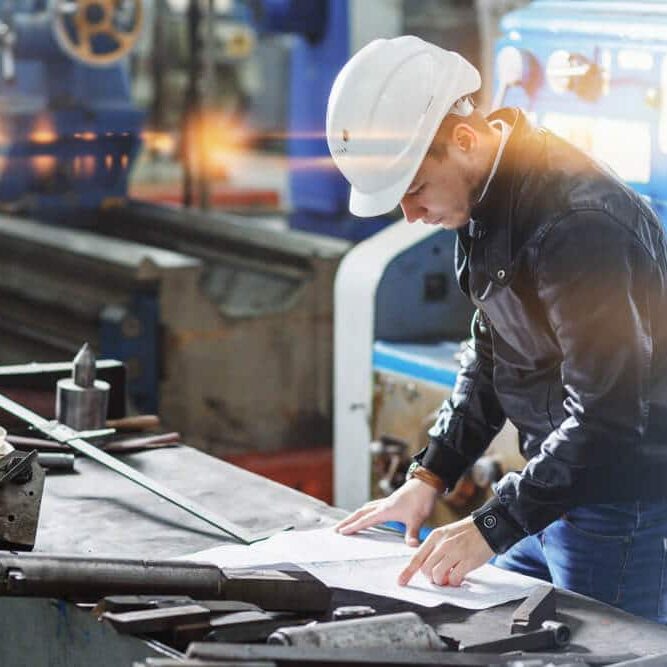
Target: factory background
{"x":167,"y":196}
{"x":185,"y":297}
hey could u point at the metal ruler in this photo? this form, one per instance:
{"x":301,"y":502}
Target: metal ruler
{"x":68,"y":436}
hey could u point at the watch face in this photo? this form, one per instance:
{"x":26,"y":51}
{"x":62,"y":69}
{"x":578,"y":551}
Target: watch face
{"x":413,"y":466}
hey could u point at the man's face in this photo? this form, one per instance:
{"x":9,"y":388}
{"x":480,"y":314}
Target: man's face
{"x":443,"y":191}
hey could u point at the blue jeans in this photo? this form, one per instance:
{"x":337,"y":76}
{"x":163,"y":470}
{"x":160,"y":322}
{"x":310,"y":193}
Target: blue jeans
{"x":615,"y":553}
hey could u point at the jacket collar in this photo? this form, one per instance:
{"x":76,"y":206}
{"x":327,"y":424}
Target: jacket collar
{"x":493,"y":214}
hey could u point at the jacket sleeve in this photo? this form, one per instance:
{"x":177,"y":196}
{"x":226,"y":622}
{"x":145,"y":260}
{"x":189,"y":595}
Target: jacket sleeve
{"x":470,"y":418}
{"x":593,"y":279}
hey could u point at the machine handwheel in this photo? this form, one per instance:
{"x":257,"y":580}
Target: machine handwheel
{"x":97,"y":32}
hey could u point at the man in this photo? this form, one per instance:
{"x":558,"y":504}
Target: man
{"x":568,"y":270}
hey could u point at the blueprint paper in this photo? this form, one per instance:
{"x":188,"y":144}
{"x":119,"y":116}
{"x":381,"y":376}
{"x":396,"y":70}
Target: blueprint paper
{"x":485,"y":587}
{"x":306,"y":546}
{"x":370,"y":562}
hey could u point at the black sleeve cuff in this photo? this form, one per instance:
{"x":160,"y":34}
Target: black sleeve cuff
{"x":498,"y":528}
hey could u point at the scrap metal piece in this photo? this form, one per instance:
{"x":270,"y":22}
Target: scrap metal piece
{"x":352,"y":611}
{"x":220,"y":607}
{"x":538,"y":607}
{"x":405,"y":630}
{"x":119,"y":604}
{"x":552,"y":635}
{"x":123,"y":603}
{"x":273,"y":590}
{"x":249,"y":626}
{"x":306,"y":656}
{"x":146,"y":621}
{"x":56,"y":461}
{"x":66,"y":435}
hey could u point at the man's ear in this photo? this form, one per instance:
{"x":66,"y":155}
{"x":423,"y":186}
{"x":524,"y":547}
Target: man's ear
{"x":464,"y":137}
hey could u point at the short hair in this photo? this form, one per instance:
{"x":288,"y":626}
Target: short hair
{"x":438,"y":147}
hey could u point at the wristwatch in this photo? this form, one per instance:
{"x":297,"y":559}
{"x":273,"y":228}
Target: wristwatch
{"x":418,"y":471}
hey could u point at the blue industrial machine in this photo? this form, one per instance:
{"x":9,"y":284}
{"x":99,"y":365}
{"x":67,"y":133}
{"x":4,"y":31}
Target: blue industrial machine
{"x":324,"y":41}
{"x":224,"y":323}
{"x":68,"y":136}
{"x":594,"y":72}
{"x":69,"y":131}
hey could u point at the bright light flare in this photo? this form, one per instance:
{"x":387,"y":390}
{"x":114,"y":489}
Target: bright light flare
{"x":160,"y":143}
{"x":43,"y":131}
{"x":218,"y":140}
{"x":44,"y":166}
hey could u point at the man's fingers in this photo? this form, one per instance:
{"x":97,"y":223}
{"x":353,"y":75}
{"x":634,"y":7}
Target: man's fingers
{"x":441,"y":574}
{"x":417,"y":560}
{"x":412,"y":536}
{"x":441,"y":558}
{"x":351,"y":518}
{"x":458,"y":573}
{"x":371,"y":518}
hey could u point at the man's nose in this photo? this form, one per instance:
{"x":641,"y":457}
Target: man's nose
{"x":411,"y":210}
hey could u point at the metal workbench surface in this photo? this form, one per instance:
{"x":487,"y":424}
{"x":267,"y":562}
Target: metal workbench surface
{"x":95,"y":512}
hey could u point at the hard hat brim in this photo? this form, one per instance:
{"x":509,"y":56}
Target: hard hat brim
{"x":370,"y":205}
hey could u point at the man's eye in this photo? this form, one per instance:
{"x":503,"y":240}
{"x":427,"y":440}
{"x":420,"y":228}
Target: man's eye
{"x":418,"y":190}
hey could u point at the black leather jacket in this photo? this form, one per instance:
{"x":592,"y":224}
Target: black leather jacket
{"x":567,"y":267}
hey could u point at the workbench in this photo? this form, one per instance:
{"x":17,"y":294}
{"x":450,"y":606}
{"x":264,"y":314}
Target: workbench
{"x":96,"y":512}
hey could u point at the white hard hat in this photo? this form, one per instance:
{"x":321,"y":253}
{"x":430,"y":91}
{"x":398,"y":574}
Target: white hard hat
{"x":384,"y":109}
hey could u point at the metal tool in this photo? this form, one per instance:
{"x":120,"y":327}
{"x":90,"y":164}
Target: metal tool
{"x":405,"y":630}
{"x":66,"y":435}
{"x":119,"y":604}
{"x":135,"y":423}
{"x":90,"y":579}
{"x":155,"y":620}
{"x":353,"y":611}
{"x":56,"y":461}
{"x":82,"y":401}
{"x":248,"y":626}
{"x":292,"y":655}
{"x":538,"y":607}
{"x":551,"y":635}
{"x":21,"y":489}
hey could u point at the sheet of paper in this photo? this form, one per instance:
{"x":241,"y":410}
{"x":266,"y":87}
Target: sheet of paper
{"x":488,"y":586}
{"x":369,"y":562}
{"x":306,"y":546}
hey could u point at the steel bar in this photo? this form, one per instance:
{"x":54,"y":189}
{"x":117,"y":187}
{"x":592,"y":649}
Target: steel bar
{"x":65,"y":435}
{"x":291,"y":655}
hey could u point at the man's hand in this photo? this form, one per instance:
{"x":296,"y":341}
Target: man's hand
{"x":411,"y":504}
{"x":448,"y":554}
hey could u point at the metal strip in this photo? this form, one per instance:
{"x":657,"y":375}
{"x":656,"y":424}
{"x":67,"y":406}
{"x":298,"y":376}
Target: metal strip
{"x":67,"y":436}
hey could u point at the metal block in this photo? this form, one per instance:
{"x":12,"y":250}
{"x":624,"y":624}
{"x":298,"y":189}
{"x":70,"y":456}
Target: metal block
{"x":148,"y":621}
{"x":249,"y":626}
{"x":538,"y":607}
{"x":277,"y":591}
{"x":20,"y":500}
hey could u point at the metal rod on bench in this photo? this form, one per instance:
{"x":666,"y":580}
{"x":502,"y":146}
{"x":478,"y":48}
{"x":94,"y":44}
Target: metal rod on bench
{"x":67,"y":436}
